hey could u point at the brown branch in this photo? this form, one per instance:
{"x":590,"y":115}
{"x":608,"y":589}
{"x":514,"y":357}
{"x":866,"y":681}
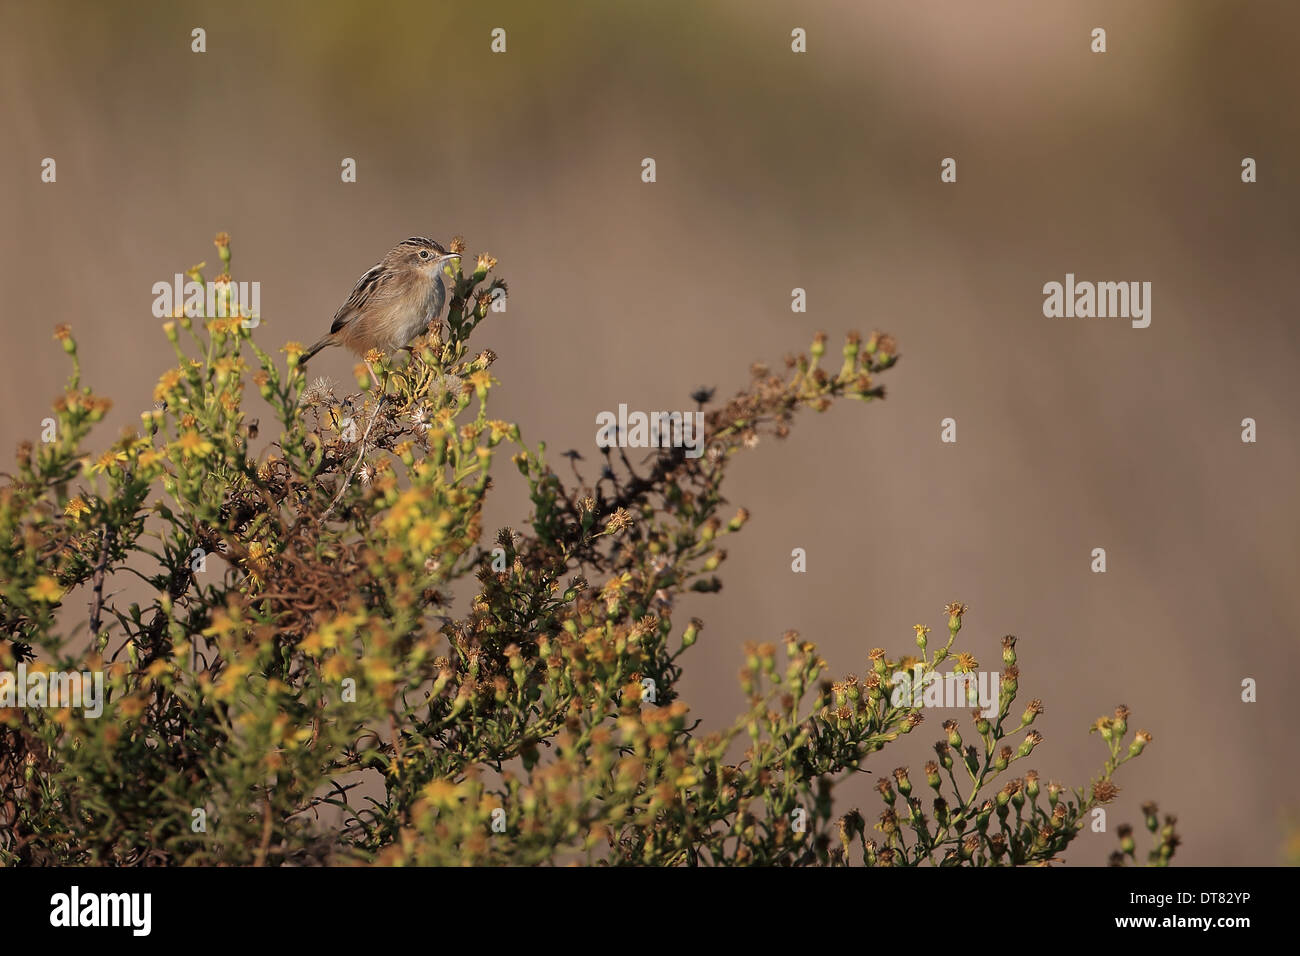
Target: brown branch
{"x":106,"y":538}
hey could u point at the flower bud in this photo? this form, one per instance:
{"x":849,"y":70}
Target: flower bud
{"x":1139,"y":742}
{"x":64,"y":334}
{"x":955,"y":610}
{"x":954,"y":738}
{"x":738,"y":522}
{"x":877,"y":655}
{"x":945,"y":754}
{"x":921,"y":632}
{"x":1032,"y":740}
{"x":1032,"y":711}
{"x":818,"y":348}
{"x":1003,"y":759}
{"x":1126,"y":842}
{"x":852,"y":345}
{"x":1010,"y":683}
{"x":1121,"y":721}
{"x":904,"y":784}
{"x":941,"y":813}
{"x":1009,"y":650}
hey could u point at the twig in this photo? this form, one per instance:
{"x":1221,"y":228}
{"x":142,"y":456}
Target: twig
{"x":260,"y":858}
{"x":106,"y":535}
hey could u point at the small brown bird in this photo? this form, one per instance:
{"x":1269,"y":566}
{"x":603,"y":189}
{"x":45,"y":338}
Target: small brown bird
{"x":396,"y":300}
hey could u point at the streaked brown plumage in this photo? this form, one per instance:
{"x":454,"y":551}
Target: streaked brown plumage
{"x":396,"y":300}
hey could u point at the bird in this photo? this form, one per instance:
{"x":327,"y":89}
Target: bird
{"x":395,"y":300}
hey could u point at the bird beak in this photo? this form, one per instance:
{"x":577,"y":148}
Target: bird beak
{"x":450,"y":255}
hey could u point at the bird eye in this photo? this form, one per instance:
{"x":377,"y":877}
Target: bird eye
{"x":424,"y":253}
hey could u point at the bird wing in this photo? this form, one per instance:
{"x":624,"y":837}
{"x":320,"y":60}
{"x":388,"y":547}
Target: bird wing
{"x":375,"y":285}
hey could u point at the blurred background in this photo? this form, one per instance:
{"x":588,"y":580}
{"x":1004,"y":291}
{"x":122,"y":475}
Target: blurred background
{"x":775,"y":170}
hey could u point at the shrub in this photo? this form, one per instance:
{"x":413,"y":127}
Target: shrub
{"x":292,"y":686}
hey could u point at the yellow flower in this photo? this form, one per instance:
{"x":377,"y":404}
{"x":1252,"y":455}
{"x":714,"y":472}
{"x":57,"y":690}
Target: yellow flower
{"x":158,"y":668}
{"x":45,"y":589}
{"x":169,"y":380}
{"x":192,"y":443}
{"x":312,"y":644}
{"x":442,"y":793}
{"x":227,"y":325}
{"x":231,"y":678}
{"x":616,"y":585}
{"x":378,"y":671}
{"x":76,"y":508}
{"x":336,"y":668}
{"x":107,"y":460}
{"x":404,"y":509}
{"x":222,"y":624}
{"x":148,"y":458}
{"x":258,"y":561}
{"x":423,"y":535}
{"x":227,"y":366}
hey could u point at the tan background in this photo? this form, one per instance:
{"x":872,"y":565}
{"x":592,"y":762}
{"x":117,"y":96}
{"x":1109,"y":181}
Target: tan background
{"x":775,"y":171}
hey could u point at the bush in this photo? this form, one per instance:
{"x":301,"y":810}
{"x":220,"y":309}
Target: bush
{"x":293,"y":687}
